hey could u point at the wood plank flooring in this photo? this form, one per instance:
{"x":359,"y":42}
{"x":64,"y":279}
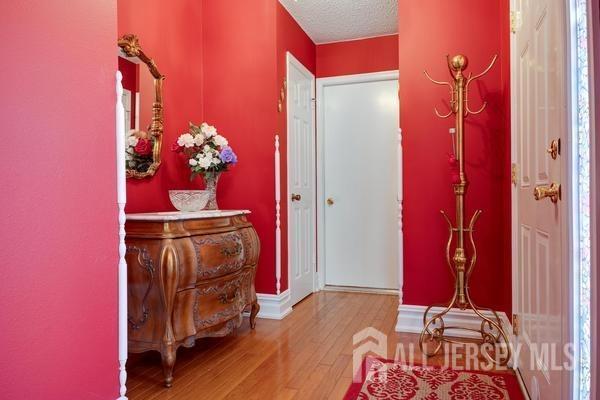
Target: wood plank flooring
{"x":308,"y":355}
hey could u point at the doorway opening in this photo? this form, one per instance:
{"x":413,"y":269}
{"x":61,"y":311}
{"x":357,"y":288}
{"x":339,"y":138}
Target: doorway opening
{"x":358,"y":182}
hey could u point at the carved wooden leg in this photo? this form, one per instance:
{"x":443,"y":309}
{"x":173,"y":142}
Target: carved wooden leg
{"x":253,"y":312}
{"x":168,"y":354}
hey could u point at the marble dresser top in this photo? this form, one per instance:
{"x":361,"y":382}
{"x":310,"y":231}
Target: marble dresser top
{"x":180,"y":215}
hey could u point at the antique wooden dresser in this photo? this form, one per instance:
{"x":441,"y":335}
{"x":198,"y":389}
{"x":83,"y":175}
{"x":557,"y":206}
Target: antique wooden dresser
{"x":190,"y":275}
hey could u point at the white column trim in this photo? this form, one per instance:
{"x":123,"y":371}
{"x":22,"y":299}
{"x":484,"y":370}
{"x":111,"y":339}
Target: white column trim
{"x":277,"y":215}
{"x":121,"y":200}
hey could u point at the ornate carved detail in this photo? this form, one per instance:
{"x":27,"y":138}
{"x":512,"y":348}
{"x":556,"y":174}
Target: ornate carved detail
{"x":251,"y":246}
{"x":146,"y":263}
{"x":234,"y":304}
{"x":130,"y":45}
{"x":231,"y":247}
{"x":235,"y":250}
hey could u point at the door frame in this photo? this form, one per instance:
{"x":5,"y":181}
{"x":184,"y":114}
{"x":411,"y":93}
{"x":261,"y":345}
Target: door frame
{"x":292,"y":60}
{"x":322,"y":83}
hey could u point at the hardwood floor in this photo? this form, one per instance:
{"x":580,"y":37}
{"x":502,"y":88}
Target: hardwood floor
{"x":308,"y":355}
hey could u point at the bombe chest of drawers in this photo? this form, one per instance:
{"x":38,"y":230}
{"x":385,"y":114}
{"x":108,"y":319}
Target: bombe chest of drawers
{"x":190,"y":275}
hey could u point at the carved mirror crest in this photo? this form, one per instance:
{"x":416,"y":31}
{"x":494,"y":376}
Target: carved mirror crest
{"x":142,"y":99}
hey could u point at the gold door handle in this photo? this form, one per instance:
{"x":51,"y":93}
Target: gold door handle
{"x":296,"y":197}
{"x":330,"y":201}
{"x":552,"y":191}
{"x":554,"y":149}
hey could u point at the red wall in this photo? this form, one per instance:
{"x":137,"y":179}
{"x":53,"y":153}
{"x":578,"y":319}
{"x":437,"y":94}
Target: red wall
{"x":427,"y":32}
{"x":290,"y":37}
{"x":58,"y":292}
{"x":240,"y":93}
{"x":357,"y":56}
{"x":170,"y":33}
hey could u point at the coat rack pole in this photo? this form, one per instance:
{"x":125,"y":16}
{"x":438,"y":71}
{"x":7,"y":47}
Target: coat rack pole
{"x":435,"y":332}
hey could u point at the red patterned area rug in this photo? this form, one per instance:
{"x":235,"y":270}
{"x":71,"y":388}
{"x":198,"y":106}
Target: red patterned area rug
{"x":388,"y":380}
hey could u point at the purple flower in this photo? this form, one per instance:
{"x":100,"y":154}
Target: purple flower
{"x":228,"y":156}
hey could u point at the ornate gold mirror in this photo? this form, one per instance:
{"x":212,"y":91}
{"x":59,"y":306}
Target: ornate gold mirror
{"x":142,"y":99}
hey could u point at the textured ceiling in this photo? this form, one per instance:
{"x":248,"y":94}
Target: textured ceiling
{"x":337,"y":20}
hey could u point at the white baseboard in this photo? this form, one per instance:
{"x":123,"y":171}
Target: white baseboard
{"x":354,"y":289}
{"x":273,"y":306}
{"x":410,"y":320}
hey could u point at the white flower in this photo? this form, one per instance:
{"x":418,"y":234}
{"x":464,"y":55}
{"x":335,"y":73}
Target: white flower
{"x":193,"y":162}
{"x":204,"y":163}
{"x":207,"y":149}
{"x":208,"y":130}
{"x":132,"y":141}
{"x":199,"y":139}
{"x":186,"y":140}
{"x":220,"y":141}
{"x":216,"y":161}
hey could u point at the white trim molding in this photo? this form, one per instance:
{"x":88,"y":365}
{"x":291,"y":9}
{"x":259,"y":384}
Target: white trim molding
{"x":122,"y":268}
{"x":274,"y":306}
{"x":410,"y":320}
{"x":277,"y":215}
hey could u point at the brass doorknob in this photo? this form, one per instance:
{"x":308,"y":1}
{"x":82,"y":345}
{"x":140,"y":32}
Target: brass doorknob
{"x":554,"y":149}
{"x":330,"y":201}
{"x":543,"y":191}
{"x":296,"y":197}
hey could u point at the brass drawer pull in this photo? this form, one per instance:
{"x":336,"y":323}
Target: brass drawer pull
{"x":296,"y":197}
{"x":225,"y":299}
{"x":552,"y":191}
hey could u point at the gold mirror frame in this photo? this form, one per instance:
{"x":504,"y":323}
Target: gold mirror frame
{"x":130,"y":46}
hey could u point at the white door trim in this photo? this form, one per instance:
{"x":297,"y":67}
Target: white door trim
{"x":291,"y":60}
{"x":322,"y":83}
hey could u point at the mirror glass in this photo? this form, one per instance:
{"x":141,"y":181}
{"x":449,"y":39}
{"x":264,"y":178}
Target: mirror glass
{"x":142,"y":100}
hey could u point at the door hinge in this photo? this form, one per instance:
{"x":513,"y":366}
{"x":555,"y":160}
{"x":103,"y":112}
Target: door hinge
{"x":515,"y":324}
{"x":513,"y":174}
{"x":515,"y":21}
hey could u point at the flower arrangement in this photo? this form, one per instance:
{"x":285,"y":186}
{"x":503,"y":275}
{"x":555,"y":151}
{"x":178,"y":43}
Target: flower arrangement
{"x":138,"y":153}
{"x":206,"y":151}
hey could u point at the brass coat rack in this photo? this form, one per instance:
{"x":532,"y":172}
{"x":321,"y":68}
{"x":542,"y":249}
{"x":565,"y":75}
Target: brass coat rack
{"x":435,"y":332}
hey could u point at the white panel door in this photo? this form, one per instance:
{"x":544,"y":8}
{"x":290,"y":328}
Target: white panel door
{"x":360,"y":179}
{"x":540,"y":116}
{"x":301,"y":180}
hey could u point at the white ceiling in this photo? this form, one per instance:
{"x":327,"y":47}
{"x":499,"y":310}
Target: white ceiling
{"x":338,"y":20}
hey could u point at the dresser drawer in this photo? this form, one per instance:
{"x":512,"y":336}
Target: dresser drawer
{"x":219,"y":255}
{"x":222,"y":299}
